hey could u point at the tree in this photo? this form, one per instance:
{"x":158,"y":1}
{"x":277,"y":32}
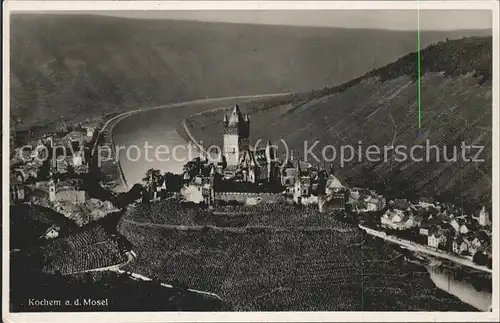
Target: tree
{"x":480,"y":259}
{"x":173,"y":182}
{"x":153,"y":177}
{"x":195,"y":167}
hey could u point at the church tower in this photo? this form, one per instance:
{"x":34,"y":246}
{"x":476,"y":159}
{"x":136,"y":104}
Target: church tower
{"x":236,"y":136}
{"x":52,"y":190}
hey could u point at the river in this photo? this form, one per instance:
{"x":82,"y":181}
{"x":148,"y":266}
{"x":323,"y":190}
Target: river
{"x":157,"y":128}
{"x":461,"y":288}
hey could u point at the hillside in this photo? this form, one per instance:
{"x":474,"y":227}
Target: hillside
{"x":29,"y":222}
{"x":122,"y":292}
{"x":380,"y":108}
{"x":75,"y":66}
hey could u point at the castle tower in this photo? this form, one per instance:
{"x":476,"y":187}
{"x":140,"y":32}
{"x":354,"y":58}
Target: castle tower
{"x":236,"y":136}
{"x":52,"y":190}
{"x":211,"y":189}
{"x":483,"y":217}
{"x":271,"y":161}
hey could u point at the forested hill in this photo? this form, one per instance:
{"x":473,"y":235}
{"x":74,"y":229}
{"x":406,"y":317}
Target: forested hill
{"x":380,"y":108}
{"x":69,"y":66}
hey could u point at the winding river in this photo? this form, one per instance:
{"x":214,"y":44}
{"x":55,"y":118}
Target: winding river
{"x":460,"y":288}
{"x":149,"y":139}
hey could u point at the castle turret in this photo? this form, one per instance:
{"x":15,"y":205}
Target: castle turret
{"x":270,"y":161}
{"x":236,"y":136}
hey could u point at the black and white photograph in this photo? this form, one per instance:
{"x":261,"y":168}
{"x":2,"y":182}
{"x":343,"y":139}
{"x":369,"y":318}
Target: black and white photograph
{"x":208,"y":160}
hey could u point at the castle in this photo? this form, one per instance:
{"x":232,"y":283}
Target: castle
{"x":241,"y":162}
{"x":255,"y":175}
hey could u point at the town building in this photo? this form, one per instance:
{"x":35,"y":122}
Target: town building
{"x":397,"y":219}
{"x":483,"y":218}
{"x":17,"y":193}
{"x":437,"y":239}
{"x":460,"y":245}
{"x":52,"y":232}
{"x":68,"y":191}
{"x":200,"y":189}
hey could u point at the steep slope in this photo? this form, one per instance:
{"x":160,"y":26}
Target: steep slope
{"x":380,"y":109}
{"x":74,"y":66}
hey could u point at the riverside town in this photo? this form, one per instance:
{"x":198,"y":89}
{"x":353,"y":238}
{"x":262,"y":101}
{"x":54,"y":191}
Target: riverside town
{"x":243,"y":179}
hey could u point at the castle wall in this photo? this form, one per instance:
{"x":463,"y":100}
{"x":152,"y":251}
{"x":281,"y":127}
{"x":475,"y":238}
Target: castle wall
{"x":192,"y":193}
{"x":250,"y":198}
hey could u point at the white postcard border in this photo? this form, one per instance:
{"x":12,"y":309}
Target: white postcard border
{"x":47,"y":6}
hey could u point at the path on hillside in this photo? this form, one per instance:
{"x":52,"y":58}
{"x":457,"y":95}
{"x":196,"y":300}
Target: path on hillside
{"x":130,"y":258}
{"x":245,"y":229}
{"x":144,"y":278}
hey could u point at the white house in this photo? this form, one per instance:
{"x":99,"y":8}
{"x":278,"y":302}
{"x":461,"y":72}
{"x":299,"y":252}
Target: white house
{"x":459,"y":245}
{"x":397,"y":220}
{"x":455,"y":224}
{"x":424,"y":231}
{"x":90,"y":132}
{"x":52,"y":232}
{"x":436,"y":240}
{"x":433,"y":241}
{"x":426,"y":203}
{"x":464,"y":229}
{"x":192,"y":193}
{"x":484,"y":217}
{"x":77,"y":159}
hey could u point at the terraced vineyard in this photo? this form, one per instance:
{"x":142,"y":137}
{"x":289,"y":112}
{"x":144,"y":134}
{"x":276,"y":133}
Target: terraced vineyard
{"x":90,"y":249}
{"x":287,"y":270}
{"x":173,"y":212}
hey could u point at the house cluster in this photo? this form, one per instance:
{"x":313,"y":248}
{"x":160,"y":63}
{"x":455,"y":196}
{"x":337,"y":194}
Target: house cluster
{"x":441,"y":226}
{"x":362,"y":200}
{"x":48,"y":169}
{"x":34,"y":158}
{"x":68,"y":197}
{"x":461,"y":234}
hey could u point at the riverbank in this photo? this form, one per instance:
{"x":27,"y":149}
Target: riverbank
{"x":413,"y":246}
{"x":147,"y":279}
{"x":159,"y":126}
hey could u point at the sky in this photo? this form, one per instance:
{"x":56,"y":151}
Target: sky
{"x":378,"y":19}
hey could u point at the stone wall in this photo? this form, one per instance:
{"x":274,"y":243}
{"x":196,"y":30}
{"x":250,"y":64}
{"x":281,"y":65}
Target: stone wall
{"x":249,"y":198}
{"x":71,"y":195}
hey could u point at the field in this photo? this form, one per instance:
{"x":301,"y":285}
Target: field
{"x":29,"y":222}
{"x":89,"y":249}
{"x":293,"y":268}
{"x":287,"y":270}
{"x":172,"y":212}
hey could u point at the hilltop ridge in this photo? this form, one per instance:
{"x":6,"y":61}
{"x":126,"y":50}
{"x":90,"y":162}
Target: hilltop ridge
{"x":74,"y":66}
{"x":380,"y":108}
